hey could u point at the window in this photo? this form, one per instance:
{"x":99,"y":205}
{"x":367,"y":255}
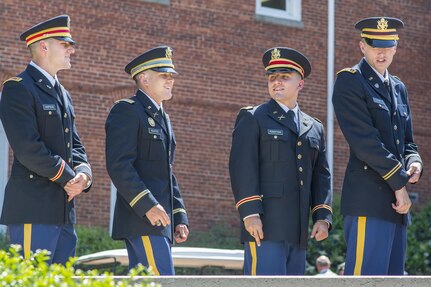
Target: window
{"x":282,"y":9}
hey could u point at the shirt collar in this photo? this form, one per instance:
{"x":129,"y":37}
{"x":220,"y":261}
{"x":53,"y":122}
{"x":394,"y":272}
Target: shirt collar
{"x":153,"y":101}
{"x":384,"y":77}
{"x":286,"y":109}
{"x":50,"y":78}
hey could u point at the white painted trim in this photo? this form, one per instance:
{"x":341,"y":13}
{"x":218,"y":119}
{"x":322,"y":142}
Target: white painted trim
{"x":330,"y":81}
{"x":4,"y":167}
{"x":293,"y":10}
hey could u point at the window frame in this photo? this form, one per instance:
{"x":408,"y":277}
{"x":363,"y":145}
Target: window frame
{"x":296,"y":15}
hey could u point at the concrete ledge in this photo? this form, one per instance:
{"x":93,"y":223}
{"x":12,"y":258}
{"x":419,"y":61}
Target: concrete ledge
{"x":283,"y":281}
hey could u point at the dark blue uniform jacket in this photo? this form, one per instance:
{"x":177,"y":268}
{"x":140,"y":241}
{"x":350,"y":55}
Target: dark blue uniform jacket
{"x":47,"y":150}
{"x":279,"y":173}
{"x":377,"y":125}
{"x":139,"y":157}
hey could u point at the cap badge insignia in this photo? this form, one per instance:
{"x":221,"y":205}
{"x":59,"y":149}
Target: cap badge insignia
{"x":275,"y":54}
{"x":382,"y":24}
{"x":151,"y":122}
{"x":168,"y":53}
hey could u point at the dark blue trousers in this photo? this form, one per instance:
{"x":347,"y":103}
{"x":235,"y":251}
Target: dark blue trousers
{"x":59,"y":240}
{"x":151,"y":251}
{"x":273,"y":258}
{"x":374,"y":246}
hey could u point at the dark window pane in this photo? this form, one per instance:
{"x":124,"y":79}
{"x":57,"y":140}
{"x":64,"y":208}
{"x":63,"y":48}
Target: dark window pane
{"x":276,"y":4}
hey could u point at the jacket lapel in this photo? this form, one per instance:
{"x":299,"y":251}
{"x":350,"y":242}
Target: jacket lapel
{"x":151,"y":110}
{"x":305,"y":123}
{"x":279,"y":115}
{"x":43,"y":83}
{"x":373,"y":80}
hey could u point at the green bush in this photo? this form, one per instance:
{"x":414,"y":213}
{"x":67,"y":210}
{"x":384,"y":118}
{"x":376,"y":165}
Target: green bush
{"x":419,"y":242}
{"x":95,"y":239}
{"x":334,"y":246}
{"x":35,"y":272}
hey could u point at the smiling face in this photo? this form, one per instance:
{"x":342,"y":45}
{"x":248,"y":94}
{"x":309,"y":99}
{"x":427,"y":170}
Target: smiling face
{"x":379,"y":58}
{"x":157,"y":85}
{"x":284,"y":87}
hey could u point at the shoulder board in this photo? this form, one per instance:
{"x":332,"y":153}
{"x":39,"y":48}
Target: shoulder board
{"x":350,"y":70}
{"x":318,"y":120}
{"x":125,"y":100}
{"x":13,"y":79}
{"x":396,"y":77}
{"x":247,"y":108}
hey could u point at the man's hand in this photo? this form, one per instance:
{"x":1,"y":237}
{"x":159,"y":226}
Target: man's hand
{"x":254,"y":226}
{"x":181,"y":233}
{"x":158,"y":216}
{"x":403,"y":203}
{"x":76,"y":185}
{"x":414,"y":172}
{"x":320,"y":230}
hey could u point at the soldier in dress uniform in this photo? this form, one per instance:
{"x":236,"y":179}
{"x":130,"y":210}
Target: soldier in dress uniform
{"x":140,"y":146}
{"x":279,"y":171}
{"x":374,"y":115}
{"x":50,"y":166}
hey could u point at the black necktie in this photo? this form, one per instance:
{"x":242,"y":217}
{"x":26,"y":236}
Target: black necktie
{"x":292,"y":116}
{"x":387,"y":85}
{"x":59,"y":93}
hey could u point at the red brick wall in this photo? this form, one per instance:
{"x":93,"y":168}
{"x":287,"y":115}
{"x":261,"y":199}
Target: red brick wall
{"x":217,"y":50}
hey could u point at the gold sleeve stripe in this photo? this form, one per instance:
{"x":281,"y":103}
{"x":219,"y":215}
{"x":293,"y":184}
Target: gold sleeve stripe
{"x":60,"y":171}
{"x":325,"y":206}
{"x":138,"y":197}
{"x":247,"y":199}
{"x":177,"y":210}
{"x":392,"y":172}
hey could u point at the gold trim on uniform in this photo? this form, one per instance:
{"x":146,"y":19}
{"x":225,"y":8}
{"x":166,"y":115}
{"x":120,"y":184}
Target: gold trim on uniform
{"x":138,"y":197}
{"x":253,"y":257}
{"x":392,"y":171}
{"x":60,"y":171}
{"x":325,"y":206}
{"x":350,"y":70}
{"x":177,"y":210}
{"x":247,"y":199}
{"x":360,"y":244}
{"x":125,"y":100}
{"x":14,"y":79}
{"x":150,"y":255}
{"x":27,"y":240}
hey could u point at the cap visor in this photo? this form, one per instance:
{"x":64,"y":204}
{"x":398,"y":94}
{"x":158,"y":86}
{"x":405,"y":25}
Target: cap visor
{"x":66,"y":39}
{"x":381,"y":43}
{"x":164,"y":70}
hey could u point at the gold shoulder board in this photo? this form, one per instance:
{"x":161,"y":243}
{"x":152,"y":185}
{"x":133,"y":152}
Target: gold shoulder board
{"x":125,"y":100}
{"x":350,"y":70}
{"x":13,"y":79}
{"x":247,"y":108}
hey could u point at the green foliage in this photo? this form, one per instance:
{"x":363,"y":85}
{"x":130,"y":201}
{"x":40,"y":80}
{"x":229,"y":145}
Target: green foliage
{"x":35,"y":272}
{"x":95,"y":239}
{"x":334,"y":246}
{"x":419,"y":242}
{"x":218,"y":236}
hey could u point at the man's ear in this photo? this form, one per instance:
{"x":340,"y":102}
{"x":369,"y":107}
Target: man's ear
{"x":301,"y":84}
